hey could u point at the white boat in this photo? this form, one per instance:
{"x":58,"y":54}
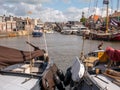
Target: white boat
{"x":69,"y":30}
{"x":76,"y":30}
{"x":22,"y":70}
{"x":37,"y":32}
{"x":66,"y":31}
{"x":82,"y":30}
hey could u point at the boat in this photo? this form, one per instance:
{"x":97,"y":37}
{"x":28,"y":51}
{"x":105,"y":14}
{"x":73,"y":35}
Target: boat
{"x":107,"y":34}
{"x":27,"y":70}
{"x":96,"y":70}
{"x":70,"y":30}
{"x":82,"y":30}
{"x":48,"y":30}
{"x":66,"y":31}
{"x":99,"y":72}
{"x":37,"y":32}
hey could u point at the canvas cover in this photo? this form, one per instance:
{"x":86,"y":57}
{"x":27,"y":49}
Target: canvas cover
{"x":113,"y":54}
{"x":10,"y":56}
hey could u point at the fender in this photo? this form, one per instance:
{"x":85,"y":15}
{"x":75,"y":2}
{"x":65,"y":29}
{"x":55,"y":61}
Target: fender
{"x":44,"y":84}
{"x":60,"y":74}
{"x":58,"y":82}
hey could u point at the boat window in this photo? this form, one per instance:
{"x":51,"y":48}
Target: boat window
{"x":37,"y":28}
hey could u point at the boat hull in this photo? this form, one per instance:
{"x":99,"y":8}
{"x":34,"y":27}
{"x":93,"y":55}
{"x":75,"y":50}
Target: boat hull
{"x":37,"y":34}
{"x":105,"y":37}
{"x":116,"y":37}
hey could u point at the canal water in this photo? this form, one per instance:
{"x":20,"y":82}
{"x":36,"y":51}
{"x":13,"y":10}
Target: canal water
{"x":62,"y":49}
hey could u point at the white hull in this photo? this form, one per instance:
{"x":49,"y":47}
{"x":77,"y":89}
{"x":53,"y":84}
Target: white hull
{"x":19,"y":79}
{"x":9,"y":82}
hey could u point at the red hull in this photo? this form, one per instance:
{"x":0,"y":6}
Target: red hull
{"x":116,"y":37}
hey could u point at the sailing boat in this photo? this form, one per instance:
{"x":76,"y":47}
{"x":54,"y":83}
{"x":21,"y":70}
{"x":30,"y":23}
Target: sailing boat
{"x":23,"y":70}
{"x":28,"y":70}
{"x":93,"y":72}
{"x":107,"y":35}
{"x":98,"y":75}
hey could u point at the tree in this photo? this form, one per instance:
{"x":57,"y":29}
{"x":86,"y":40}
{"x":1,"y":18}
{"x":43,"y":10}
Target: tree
{"x":83,"y":20}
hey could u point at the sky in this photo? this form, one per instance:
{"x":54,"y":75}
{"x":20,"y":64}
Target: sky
{"x":55,"y":10}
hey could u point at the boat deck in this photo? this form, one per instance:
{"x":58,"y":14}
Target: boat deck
{"x":105,"y":82}
{"x":20,"y":77}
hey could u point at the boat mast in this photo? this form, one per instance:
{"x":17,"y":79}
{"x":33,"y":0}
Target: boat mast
{"x":117,"y":5}
{"x":107,"y":18}
{"x":28,"y":27}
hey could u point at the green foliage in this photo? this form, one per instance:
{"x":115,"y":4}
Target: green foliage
{"x":83,"y":20}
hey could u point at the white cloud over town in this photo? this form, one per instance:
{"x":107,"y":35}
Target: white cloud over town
{"x":21,"y":8}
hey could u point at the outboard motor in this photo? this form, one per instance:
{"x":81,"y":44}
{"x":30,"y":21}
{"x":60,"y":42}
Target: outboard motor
{"x":58,"y":82}
{"x":60,"y":74}
{"x":67,"y":78}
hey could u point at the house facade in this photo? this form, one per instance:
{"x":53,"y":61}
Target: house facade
{"x":10,"y":23}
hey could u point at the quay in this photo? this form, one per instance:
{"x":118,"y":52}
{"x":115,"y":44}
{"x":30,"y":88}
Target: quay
{"x":15,"y":33}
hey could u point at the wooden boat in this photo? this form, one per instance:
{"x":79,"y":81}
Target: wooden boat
{"x":27,"y":70}
{"x":98,"y":74}
{"x":37,"y":32}
{"x":106,"y":35}
{"x":100,"y":81}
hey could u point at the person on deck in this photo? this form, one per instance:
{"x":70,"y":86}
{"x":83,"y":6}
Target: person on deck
{"x":100,"y":46}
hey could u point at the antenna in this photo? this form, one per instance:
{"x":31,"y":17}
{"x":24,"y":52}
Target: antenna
{"x":118,"y":5}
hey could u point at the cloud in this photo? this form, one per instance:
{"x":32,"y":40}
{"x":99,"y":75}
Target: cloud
{"x":49,"y":14}
{"x":22,"y":7}
{"x":27,"y":1}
